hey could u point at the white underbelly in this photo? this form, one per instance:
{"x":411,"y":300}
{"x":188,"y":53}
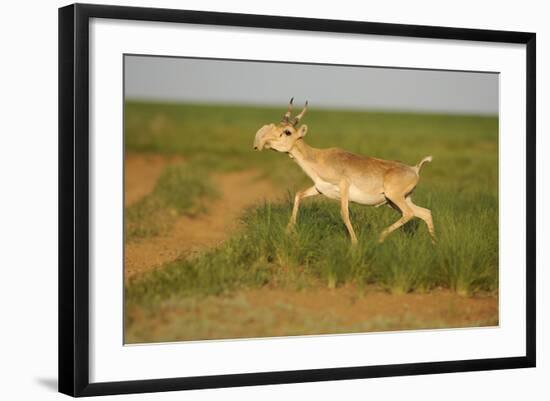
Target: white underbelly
{"x":365,"y":197}
{"x":356,"y":195}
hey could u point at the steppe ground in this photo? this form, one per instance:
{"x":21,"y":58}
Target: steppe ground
{"x":206,"y":251}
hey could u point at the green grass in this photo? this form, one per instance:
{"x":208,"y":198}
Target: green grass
{"x":180,"y":189}
{"x":465,"y":148}
{"x":263,"y":254}
{"x":460,"y":186}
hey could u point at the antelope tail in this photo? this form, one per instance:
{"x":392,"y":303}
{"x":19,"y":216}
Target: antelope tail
{"x":424,"y":160}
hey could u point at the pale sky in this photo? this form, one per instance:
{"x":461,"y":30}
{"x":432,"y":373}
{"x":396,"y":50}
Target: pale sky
{"x":324,"y":86}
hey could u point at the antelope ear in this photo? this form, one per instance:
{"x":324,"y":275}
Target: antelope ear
{"x":302,"y":131}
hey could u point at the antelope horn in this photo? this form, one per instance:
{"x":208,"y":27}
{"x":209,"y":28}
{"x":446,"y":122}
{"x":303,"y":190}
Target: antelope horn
{"x":286,"y":117}
{"x":299,"y":116}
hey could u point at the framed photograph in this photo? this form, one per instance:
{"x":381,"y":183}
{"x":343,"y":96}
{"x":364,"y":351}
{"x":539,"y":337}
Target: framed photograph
{"x":251,"y":199}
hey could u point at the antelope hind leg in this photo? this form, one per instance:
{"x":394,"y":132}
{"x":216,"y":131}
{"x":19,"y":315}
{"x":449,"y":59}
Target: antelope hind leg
{"x":407,"y":215}
{"x":424,"y":214}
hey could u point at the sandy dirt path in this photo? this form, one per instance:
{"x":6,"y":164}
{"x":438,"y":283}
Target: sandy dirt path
{"x":238,"y":190}
{"x":141,"y":172}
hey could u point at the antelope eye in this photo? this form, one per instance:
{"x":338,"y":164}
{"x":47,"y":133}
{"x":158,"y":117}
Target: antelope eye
{"x":287,"y":132}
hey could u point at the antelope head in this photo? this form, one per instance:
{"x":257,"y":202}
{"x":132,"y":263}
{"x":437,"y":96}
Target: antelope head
{"x":283,"y":135}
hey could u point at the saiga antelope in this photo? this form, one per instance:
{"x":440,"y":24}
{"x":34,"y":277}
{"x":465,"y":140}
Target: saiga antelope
{"x":338,"y":174}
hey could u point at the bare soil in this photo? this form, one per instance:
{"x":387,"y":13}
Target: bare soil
{"x":267,"y":312}
{"x":190,"y":234}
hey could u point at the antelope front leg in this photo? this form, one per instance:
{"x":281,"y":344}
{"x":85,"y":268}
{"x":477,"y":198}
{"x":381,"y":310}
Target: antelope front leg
{"x":312,"y":191}
{"x":344,"y":210}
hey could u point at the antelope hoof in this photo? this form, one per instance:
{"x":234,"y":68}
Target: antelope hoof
{"x":291,"y":228}
{"x":354,"y":242}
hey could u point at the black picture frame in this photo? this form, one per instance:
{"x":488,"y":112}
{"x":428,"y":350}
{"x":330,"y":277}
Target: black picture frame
{"x":74,"y":198}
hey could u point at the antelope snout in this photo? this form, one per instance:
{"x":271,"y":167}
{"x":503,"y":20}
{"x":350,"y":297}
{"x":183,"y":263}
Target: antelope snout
{"x":258,"y":145}
{"x":262,"y":137}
